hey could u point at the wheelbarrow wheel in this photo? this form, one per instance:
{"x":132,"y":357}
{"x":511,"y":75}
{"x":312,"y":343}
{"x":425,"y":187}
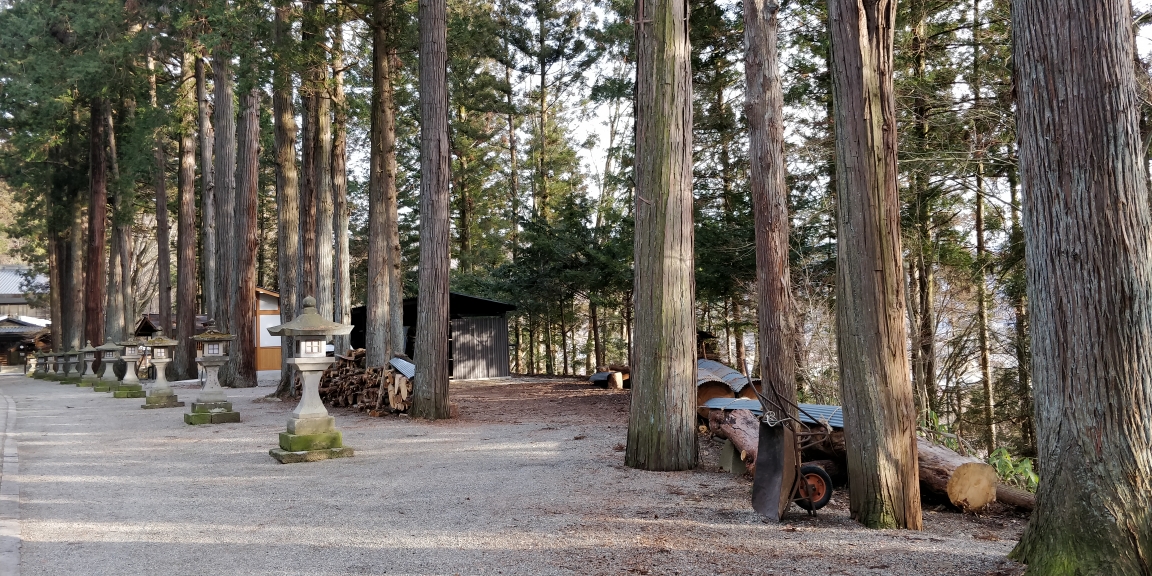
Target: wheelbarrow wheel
{"x":819,"y":487}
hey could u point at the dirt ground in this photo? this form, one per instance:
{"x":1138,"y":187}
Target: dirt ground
{"x":528,"y":480}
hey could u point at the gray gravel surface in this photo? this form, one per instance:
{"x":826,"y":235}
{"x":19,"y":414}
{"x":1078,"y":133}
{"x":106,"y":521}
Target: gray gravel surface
{"x":529,"y":480}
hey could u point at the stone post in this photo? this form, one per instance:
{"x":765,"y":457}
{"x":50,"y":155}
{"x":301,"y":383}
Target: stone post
{"x":89,"y":378}
{"x":129,"y":386}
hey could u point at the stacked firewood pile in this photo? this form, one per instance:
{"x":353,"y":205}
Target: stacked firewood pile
{"x":378,"y":391}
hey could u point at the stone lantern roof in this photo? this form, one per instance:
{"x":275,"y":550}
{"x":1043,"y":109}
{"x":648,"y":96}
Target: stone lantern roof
{"x":88,"y":348}
{"x":310,"y":323}
{"x":109,"y":346}
{"x":213,"y":336}
{"x":131,"y":342}
{"x":160,"y":341}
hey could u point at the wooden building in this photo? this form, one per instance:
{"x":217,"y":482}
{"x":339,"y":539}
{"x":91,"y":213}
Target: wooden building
{"x":267,"y":316}
{"x":477,"y":338}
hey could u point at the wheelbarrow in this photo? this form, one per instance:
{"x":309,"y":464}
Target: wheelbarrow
{"x":781,"y":476}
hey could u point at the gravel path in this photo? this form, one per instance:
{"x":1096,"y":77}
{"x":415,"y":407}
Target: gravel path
{"x":527,"y":481}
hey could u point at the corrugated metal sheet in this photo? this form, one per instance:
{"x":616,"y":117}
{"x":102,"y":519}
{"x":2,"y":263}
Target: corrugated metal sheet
{"x":404,"y":367}
{"x":479,"y":347}
{"x":12,"y":276}
{"x":833,"y":415}
{"x":713,"y":371}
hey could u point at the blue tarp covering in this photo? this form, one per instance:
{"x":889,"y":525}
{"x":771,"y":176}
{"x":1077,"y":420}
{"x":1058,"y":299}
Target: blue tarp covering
{"x":822,"y":412}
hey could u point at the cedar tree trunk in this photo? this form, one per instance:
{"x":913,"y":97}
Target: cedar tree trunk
{"x":879,"y":412}
{"x":1086,"y":222}
{"x":662,"y":419}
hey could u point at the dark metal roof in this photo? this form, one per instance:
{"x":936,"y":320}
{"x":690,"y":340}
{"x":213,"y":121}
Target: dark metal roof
{"x":713,"y":371}
{"x":833,"y":415}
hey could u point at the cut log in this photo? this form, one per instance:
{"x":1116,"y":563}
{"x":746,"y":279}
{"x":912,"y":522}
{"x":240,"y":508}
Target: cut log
{"x":969,"y":483}
{"x":1015,"y":497}
{"x":741,"y":427}
{"x":829,"y":466}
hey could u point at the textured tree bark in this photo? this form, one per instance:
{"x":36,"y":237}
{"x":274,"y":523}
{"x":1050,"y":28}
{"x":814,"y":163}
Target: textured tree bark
{"x":879,"y":413}
{"x":309,"y":87}
{"x":741,"y":353}
{"x":383,"y":247}
{"x":243,"y":355}
{"x":163,"y":233}
{"x":287,"y":196}
{"x":114,"y":308}
{"x":430,"y":388}
{"x":981,"y":251}
{"x":124,"y":217}
{"x":55,"y":294}
{"x":97,"y":218}
{"x":224,"y":170}
{"x":324,"y":205}
{"x":207,"y":193}
{"x":765,"y":112}
{"x":74,"y":320}
{"x":662,"y":419}
{"x":1086,"y":222}
{"x":184,"y":360}
{"x":342,"y":277}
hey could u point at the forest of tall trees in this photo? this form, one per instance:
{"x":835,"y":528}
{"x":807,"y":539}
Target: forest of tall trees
{"x":173,"y":156}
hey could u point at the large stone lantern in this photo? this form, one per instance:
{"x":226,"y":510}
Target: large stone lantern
{"x":57,"y":366}
{"x":212,"y":405}
{"x":160,"y":394}
{"x":109,"y":353}
{"x":89,"y":357}
{"x":70,"y":364}
{"x":129,"y":386}
{"x":312,"y":433}
{"x":50,"y":365}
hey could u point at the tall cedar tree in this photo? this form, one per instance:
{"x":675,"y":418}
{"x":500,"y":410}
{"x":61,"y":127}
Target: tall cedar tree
{"x":287,"y":191}
{"x":1086,"y":223}
{"x":765,"y":110}
{"x":430,"y":388}
{"x":662,"y":419}
{"x":184,"y":360}
{"x":879,"y":414}
{"x":97,"y":217}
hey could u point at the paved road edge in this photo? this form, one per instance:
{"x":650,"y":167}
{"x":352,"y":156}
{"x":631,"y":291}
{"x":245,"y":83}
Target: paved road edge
{"x":9,"y":490}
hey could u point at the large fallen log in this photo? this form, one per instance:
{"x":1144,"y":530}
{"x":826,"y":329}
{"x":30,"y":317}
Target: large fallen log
{"x":970,"y":484}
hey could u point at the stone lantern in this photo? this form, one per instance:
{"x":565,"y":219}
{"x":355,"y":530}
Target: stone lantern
{"x":160,"y":394}
{"x":312,"y":433}
{"x":129,"y":386}
{"x":109,"y":352}
{"x":212,"y":405}
{"x":89,"y":357}
{"x":56,"y":367}
{"x":35,"y":365}
{"x":70,"y":364}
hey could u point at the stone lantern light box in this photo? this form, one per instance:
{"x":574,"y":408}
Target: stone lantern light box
{"x":312,"y":433}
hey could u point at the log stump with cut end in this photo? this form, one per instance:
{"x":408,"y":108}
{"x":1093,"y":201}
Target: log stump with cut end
{"x":969,"y":483}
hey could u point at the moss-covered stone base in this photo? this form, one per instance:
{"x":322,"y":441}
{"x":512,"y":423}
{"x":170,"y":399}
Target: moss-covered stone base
{"x":211,"y":413}
{"x":302,"y":442}
{"x":165,"y":401}
{"x":287,"y":457}
{"x":129,"y":394}
{"x":70,"y":380}
{"x":120,"y":387}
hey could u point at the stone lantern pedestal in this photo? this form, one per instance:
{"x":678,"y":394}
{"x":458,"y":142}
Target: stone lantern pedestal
{"x":129,"y":386}
{"x":212,"y":405}
{"x":108,"y":354}
{"x":53,"y":367}
{"x":36,"y":369}
{"x":160,"y":394}
{"x":89,"y":357}
{"x":71,"y":367}
{"x":312,"y":433}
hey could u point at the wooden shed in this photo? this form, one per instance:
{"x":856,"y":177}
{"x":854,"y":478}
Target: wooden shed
{"x":267,"y":316}
{"x":477,"y":339}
